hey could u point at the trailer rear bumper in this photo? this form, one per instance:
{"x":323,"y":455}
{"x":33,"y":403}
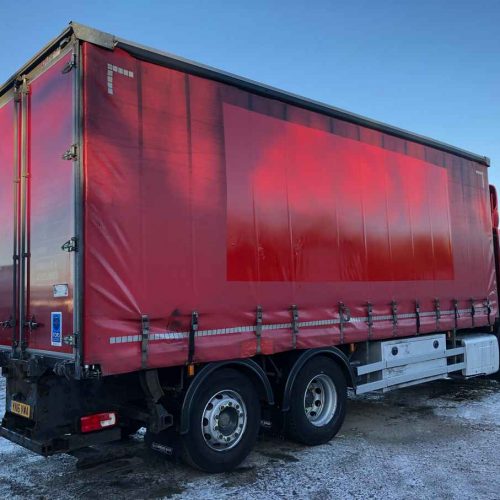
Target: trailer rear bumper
{"x":62,"y":444}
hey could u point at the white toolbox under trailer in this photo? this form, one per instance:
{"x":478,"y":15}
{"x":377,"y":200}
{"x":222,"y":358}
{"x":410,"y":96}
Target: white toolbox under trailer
{"x":403,"y":362}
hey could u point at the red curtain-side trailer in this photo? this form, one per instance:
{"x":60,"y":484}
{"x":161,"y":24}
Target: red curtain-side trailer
{"x":193,"y":249}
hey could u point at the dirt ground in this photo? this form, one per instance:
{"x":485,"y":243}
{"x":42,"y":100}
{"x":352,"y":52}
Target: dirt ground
{"x":438,"y":440}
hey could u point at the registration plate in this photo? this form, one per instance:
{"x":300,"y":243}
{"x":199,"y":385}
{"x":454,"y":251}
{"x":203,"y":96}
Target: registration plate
{"x":20,"y":409}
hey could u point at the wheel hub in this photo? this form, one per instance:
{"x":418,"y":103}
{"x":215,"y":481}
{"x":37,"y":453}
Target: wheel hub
{"x":320,"y":400}
{"x":224,"y":420}
{"x":228,"y":421}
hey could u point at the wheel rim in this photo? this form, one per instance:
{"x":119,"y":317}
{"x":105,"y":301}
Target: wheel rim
{"x":224,"y":420}
{"x":320,"y":400}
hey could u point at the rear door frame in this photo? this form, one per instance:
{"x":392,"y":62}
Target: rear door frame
{"x":5,"y":100}
{"x":71,"y":362}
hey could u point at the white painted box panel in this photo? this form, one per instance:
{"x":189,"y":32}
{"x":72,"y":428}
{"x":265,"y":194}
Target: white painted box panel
{"x":481,"y":354}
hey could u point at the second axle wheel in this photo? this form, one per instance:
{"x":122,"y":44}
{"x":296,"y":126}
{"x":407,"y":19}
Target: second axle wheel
{"x":318,"y":402}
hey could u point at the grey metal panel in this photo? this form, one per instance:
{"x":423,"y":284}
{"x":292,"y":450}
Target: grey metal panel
{"x":380,"y":365}
{"x":457,"y":351}
{"x":371,"y":368}
{"x":397,"y":381}
{"x":92,"y":35}
{"x":428,"y":372}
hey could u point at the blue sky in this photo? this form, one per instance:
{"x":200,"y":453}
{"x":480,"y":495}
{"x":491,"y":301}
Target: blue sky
{"x":430,"y":66}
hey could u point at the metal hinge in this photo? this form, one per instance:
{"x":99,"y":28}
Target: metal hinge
{"x":6,"y":324}
{"x":71,"y":154}
{"x":70,"y":340}
{"x":69,"y":65}
{"x":22,"y":87}
{"x":31,"y":323}
{"x":70,"y":246}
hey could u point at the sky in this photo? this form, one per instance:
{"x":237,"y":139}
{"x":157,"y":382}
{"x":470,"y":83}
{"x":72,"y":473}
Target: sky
{"x":429,"y":66}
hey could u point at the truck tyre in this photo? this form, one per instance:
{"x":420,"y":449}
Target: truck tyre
{"x":224,"y":422}
{"x":318,"y":402}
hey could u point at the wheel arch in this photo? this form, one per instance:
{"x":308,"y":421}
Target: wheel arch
{"x":332,"y":352}
{"x":246,"y":366}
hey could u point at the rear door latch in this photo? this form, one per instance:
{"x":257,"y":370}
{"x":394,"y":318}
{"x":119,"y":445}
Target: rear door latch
{"x":31,"y":324}
{"x":70,"y":340}
{"x":7,"y":324}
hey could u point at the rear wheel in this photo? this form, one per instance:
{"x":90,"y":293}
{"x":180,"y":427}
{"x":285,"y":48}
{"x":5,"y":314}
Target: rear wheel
{"x":224,"y":422}
{"x":318,"y":402}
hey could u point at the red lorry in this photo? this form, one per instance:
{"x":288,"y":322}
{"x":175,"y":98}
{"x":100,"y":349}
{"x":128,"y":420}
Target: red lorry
{"x":192,"y":252}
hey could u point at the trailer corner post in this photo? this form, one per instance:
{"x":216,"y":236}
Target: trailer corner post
{"x":24,"y":93}
{"x":78,"y":160}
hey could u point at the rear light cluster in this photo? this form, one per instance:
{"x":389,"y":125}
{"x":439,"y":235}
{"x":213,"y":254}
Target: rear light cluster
{"x":97,"y":422}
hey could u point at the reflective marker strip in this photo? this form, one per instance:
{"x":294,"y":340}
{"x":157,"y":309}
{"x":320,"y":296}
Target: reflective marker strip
{"x":282,"y":326}
{"x":121,"y":71}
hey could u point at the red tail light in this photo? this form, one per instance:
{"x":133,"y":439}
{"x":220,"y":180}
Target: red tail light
{"x":98,"y":422}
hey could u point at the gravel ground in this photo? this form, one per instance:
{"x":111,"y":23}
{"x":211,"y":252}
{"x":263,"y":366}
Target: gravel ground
{"x":438,"y":440}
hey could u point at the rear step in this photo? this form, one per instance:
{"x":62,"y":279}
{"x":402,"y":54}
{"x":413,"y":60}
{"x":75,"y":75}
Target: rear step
{"x":62,"y":444}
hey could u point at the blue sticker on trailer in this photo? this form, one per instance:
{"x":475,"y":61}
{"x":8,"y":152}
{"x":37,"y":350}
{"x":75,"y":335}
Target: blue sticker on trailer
{"x":56,"y":329}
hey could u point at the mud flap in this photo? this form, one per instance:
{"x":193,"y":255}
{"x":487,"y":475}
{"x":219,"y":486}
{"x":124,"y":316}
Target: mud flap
{"x":167,"y":442}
